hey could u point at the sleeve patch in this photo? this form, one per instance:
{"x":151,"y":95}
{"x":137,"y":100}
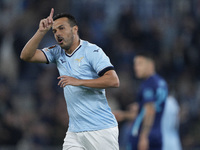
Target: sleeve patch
{"x":148,"y":94}
{"x":46,"y":49}
{"x":52,"y":47}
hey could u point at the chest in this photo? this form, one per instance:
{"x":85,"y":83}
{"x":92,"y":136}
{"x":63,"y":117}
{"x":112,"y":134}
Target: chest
{"x":76,"y":66}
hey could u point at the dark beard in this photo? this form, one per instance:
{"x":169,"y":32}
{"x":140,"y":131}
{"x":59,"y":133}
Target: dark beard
{"x":68,"y":46}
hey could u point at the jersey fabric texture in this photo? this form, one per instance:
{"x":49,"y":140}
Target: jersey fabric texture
{"x":87,"y":107}
{"x":154,"y":89}
{"x":170,"y":125}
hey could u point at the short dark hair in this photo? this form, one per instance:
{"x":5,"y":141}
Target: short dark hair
{"x":72,"y":20}
{"x":146,"y":54}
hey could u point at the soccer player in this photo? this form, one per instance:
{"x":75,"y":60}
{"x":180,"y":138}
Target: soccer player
{"x":85,"y":71}
{"x":145,"y":132}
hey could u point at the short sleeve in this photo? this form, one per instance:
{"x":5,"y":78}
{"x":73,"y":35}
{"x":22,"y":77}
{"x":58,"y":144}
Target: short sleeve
{"x":99,"y":61}
{"x":50,"y":53}
{"x":148,"y":95}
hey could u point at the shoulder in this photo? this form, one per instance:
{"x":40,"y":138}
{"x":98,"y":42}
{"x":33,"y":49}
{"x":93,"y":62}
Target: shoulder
{"x":90,"y":47}
{"x":56,"y":49}
{"x":92,"y":51}
{"x":160,"y":81}
{"x":157,"y":80}
{"x":152,"y":82}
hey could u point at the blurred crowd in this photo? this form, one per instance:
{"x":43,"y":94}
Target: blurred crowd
{"x":33,"y":111}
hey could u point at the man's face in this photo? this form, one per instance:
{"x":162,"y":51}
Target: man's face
{"x":63,"y":32}
{"x":141,"y":66}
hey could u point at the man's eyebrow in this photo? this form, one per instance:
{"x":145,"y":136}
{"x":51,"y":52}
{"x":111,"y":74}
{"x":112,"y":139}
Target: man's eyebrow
{"x":60,"y":26}
{"x":57,"y":27}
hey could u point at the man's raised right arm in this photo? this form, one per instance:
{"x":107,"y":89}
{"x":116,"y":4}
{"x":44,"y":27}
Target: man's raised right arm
{"x":30,"y":51}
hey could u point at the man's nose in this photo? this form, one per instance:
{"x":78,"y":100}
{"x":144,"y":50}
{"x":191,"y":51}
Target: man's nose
{"x":58,"y":34}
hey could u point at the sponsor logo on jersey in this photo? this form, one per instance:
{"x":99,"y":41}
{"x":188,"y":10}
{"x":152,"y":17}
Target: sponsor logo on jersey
{"x":96,"y":50}
{"x":63,"y":61}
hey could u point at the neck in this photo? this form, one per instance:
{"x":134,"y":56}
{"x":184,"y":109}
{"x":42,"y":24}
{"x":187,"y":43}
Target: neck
{"x":75,"y":44}
{"x":150,"y":74}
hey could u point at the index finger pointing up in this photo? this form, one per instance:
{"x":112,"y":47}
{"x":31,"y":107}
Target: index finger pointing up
{"x":51,"y":13}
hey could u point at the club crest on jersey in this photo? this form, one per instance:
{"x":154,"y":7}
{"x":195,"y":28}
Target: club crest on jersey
{"x":79,"y":60}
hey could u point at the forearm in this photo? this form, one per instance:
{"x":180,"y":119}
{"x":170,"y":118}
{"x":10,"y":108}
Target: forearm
{"x":106,"y":81}
{"x":109,"y":79}
{"x":147,"y":125}
{"x":128,"y":115}
{"x":31,"y":46}
{"x":148,"y":120}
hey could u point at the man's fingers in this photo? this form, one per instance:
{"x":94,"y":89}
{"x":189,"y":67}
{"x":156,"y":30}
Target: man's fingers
{"x":49,"y":20}
{"x":45,"y":23}
{"x":60,"y":77}
{"x":64,"y":81}
{"x":60,"y":82}
{"x":51,"y":13}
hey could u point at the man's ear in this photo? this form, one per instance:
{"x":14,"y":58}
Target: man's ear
{"x":75,"y":29}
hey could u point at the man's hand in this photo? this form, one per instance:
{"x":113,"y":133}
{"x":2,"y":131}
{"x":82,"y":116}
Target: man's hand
{"x":130,"y":114}
{"x":119,"y":115}
{"x":30,"y":52}
{"x":46,"y":24}
{"x":67,"y":80}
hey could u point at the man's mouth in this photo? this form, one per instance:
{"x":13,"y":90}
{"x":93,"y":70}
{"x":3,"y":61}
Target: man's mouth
{"x":60,"y":40}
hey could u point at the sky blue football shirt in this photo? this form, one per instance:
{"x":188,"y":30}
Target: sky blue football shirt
{"x":87,"y":107}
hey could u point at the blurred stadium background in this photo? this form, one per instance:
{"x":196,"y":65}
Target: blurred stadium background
{"x":32,"y":108}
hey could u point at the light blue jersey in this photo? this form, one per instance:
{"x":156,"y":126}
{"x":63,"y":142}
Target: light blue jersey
{"x":87,"y":107}
{"x":170,"y":125}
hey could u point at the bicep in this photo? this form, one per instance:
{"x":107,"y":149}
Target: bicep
{"x":150,"y":109}
{"x":111,"y":73}
{"x":39,"y":57}
{"x":111,"y":78}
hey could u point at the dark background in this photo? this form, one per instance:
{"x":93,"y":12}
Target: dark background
{"x":32,"y":108}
